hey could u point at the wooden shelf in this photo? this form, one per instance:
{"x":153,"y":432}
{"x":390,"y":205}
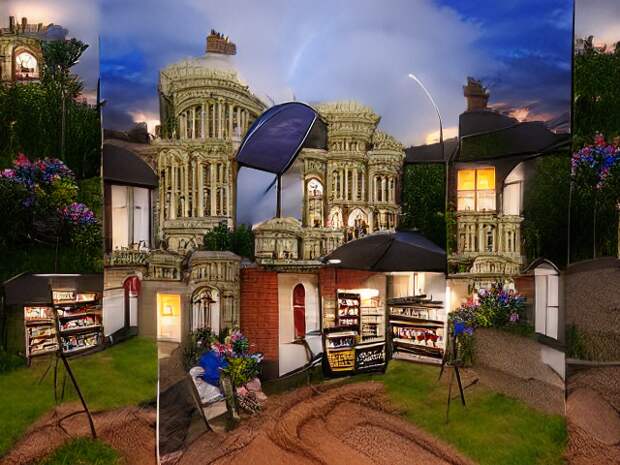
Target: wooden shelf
{"x":414,"y":319}
{"x":418,"y":324}
{"x":33,"y":322}
{"x":78,"y":315}
{"x":78,"y":329}
{"x":411,"y":343}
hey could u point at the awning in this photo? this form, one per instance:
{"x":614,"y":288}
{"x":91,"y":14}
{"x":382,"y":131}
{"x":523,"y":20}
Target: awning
{"x":385,"y":252}
{"x":34,"y":289}
{"x":276,"y":137}
{"x":122,"y":166}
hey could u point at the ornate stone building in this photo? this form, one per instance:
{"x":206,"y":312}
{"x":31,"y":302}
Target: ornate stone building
{"x":350,"y":189}
{"x":21,"y":57}
{"x":205,"y":110}
{"x":349,"y":176}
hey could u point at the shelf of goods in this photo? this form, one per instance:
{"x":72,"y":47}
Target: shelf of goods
{"x":79,"y":323}
{"x":417,"y":325}
{"x":348,"y":311}
{"x":40,"y":331}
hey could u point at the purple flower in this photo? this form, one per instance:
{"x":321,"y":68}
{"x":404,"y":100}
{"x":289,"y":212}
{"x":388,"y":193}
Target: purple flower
{"x":78,"y":214}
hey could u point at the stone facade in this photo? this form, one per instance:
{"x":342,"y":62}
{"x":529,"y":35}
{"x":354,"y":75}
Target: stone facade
{"x":21,"y":57}
{"x":350,"y":189}
{"x":205,"y":111}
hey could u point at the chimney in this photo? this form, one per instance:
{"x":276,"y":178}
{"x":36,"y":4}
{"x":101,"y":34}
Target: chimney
{"x":218,"y":43}
{"x":476,"y":95}
{"x":12,"y":23}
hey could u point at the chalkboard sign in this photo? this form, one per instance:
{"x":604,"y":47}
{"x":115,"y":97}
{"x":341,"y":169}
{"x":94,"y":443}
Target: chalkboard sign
{"x":372,"y":356}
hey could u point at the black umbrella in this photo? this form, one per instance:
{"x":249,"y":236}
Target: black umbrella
{"x":390,"y":251}
{"x":277,"y":136}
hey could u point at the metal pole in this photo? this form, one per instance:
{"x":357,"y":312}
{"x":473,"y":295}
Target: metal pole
{"x":442,"y":146}
{"x":279,"y":195}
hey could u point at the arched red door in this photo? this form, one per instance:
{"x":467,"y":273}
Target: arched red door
{"x":299,"y":310}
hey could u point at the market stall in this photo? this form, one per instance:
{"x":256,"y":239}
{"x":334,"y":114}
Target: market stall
{"x":355,"y":333}
{"x":418,"y":315}
{"x":43,"y":312}
{"x":393,"y":300}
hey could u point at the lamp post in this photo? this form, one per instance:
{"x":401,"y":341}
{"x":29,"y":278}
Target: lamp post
{"x":443,"y":151}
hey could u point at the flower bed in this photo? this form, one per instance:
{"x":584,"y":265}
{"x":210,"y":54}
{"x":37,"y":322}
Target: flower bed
{"x":488,"y":308}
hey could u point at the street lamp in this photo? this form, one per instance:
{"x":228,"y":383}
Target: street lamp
{"x":443,"y":151}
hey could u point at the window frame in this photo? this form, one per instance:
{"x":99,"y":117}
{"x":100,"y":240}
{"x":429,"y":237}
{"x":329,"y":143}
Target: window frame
{"x":476,"y":191}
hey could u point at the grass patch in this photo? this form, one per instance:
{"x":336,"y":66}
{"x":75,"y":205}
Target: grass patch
{"x":83,"y":452}
{"x":493,"y":429}
{"x":124,"y":374}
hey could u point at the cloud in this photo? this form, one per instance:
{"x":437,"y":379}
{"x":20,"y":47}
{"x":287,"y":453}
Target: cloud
{"x":313,"y":52}
{"x":599,"y":18}
{"x":79,"y":17}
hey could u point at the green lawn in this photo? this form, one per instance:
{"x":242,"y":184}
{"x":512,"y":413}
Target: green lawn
{"x":83,"y":451}
{"x":493,"y":429}
{"x":125,"y":374}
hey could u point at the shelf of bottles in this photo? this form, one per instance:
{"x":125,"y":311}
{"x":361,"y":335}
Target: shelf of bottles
{"x":40,"y":329}
{"x":418,"y":325}
{"x":79,"y":321}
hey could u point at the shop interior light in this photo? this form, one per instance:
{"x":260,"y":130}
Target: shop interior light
{"x":167,"y":310}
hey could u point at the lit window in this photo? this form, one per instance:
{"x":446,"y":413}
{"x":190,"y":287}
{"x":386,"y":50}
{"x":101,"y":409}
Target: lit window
{"x":476,"y":189}
{"x":315,"y":203}
{"x":26,"y":66}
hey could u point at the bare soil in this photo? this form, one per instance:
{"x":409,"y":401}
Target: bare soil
{"x":130,"y":430}
{"x":593,"y":417}
{"x":342,"y":425}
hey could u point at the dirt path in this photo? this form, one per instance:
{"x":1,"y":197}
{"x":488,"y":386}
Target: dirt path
{"x":593,"y":417}
{"x":130,"y":430}
{"x":337,"y":426}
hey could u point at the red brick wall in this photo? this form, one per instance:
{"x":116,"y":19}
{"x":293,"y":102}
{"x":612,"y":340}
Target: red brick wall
{"x":259,"y":315}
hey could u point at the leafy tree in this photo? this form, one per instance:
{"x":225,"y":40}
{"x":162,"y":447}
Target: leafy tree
{"x":43,"y":119}
{"x":597,"y":93}
{"x":239,"y":241}
{"x":423,"y":201}
{"x":545,"y":209}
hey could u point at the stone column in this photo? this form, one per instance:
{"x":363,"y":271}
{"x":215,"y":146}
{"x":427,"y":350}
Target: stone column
{"x":202,"y":121}
{"x":201,"y":207}
{"x":173,"y":193}
{"x":363,"y":186}
{"x":213,"y":190}
{"x":213,"y":133}
{"x":231,"y":114}
{"x":346,"y":182}
{"x":220,"y":126}
{"x":229,"y":189}
{"x":193,"y":122}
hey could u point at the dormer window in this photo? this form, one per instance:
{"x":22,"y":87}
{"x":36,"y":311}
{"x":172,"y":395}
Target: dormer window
{"x":26,"y":67}
{"x":476,"y":189}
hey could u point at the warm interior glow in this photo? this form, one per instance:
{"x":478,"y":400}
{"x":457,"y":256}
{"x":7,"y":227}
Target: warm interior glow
{"x":169,"y":304}
{"x":466,"y":180}
{"x":485,"y":178}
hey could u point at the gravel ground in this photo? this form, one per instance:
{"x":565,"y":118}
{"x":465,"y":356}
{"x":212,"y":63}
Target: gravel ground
{"x":130,"y":430}
{"x":350,"y":424}
{"x":593,"y":414}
